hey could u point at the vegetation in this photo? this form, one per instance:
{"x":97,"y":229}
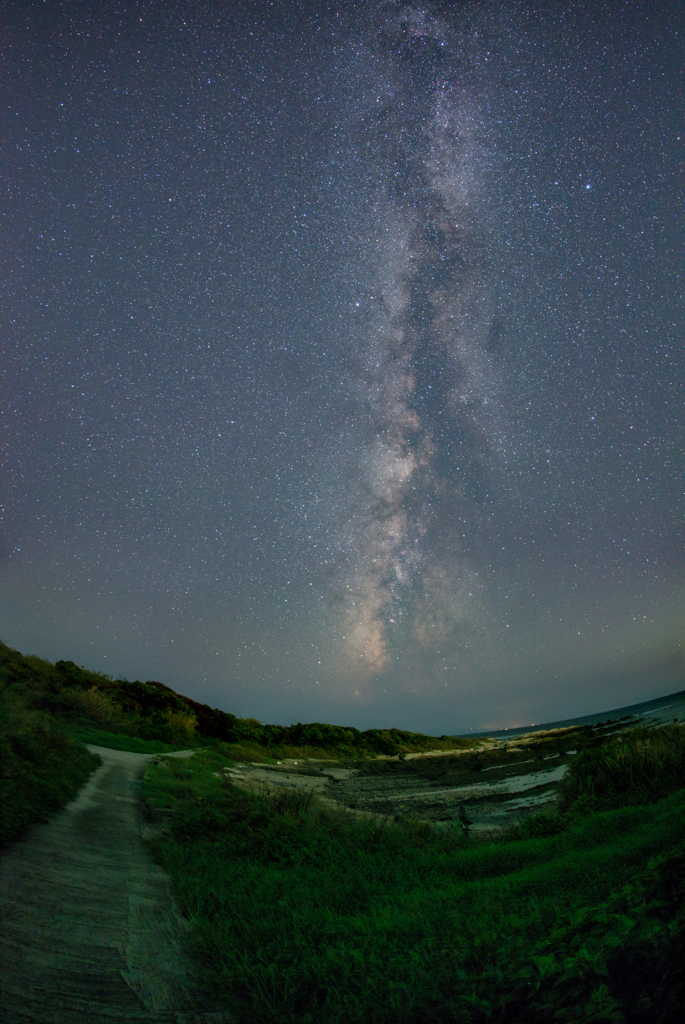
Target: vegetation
{"x":99,"y":709}
{"x":636,"y":767}
{"x":115,"y":740}
{"x":48,"y":712}
{"x":305,"y":914}
{"x":41,"y":768}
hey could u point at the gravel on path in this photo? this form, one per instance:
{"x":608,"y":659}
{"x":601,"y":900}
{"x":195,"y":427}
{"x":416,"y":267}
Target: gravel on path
{"x":90,"y":931}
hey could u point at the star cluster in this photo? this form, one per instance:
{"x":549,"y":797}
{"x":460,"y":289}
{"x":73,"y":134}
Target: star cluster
{"x":343,"y":354}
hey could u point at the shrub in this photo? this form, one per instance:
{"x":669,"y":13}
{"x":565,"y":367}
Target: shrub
{"x":40,"y":770}
{"x":638,"y":767}
{"x":94,"y":704}
{"x":184,"y":725}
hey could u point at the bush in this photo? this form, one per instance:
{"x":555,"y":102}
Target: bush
{"x":304,"y":915}
{"x":41,"y":769}
{"x":537,"y":826}
{"x":93,"y":704}
{"x":183,"y":724}
{"x":638,"y":767}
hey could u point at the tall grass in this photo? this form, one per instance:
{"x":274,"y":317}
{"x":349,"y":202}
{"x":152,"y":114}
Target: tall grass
{"x":637,"y":767}
{"x":40,"y":768}
{"x":47,"y":713}
{"x":121,"y":741}
{"x":304,"y":914}
{"x":153,"y":711}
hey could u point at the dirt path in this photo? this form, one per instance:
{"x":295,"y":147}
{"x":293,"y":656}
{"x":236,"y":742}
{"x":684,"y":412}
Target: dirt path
{"x":90,"y":931}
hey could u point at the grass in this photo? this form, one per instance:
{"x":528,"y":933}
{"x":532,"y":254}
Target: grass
{"x":49,"y":712}
{"x":152,"y":711}
{"x":120,"y":741}
{"x":41,"y":769}
{"x":636,"y":767}
{"x":302,"y":914}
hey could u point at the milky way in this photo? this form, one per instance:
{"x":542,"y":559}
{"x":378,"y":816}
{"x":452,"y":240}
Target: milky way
{"x":343,"y":354}
{"x":408,"y":587}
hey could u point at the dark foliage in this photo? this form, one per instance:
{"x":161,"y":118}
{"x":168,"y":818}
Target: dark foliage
{"x":40,"y":770}
{"x":637,"y":767}
{"x":144,"y":709}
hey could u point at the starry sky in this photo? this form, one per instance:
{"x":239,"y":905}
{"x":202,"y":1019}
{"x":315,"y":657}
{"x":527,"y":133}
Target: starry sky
{"x":343,"y":353}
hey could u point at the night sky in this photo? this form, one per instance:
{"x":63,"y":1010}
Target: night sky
{"x":343,"y":353}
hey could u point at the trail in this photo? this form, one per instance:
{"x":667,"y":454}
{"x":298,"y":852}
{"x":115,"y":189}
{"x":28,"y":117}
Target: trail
{"x":90,"y":931}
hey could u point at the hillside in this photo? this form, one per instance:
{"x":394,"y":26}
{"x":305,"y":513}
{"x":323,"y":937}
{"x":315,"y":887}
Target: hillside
{"x":285,"y":872}
{"x":85,"y":701}
{"x":49,"y":711}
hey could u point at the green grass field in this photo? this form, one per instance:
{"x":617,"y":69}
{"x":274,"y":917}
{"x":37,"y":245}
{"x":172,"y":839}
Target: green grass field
{"x":120,"y":741}
{"x":41,"y":769}
{"x":301,"y":914}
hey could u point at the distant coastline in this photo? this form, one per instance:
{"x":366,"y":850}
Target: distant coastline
{"x":647,"y":709}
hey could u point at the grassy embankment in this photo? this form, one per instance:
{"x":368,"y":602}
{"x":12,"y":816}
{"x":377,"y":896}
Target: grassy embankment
{"x":303,"y":914}
{"x":48,"y":712}
{"x":41,"y":767}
